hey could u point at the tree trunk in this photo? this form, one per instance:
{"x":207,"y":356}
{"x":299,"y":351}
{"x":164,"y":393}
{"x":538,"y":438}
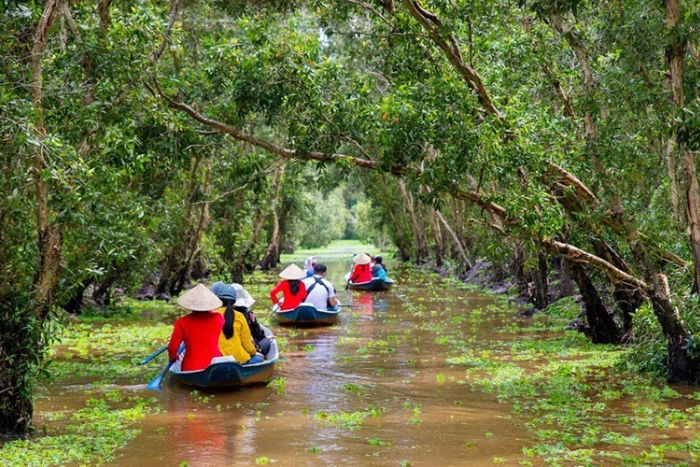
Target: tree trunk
{"x":176,"y":264}
{"x":628,"y":299}
{"x":20,"y":339}
{"x":75,"y":304}
{"x":193,"y":246}
{"x":269,"y":261}
{"x":601,"y":328}
{"x":465,"y":264}
{"x":272,"y":253}
{"x":566,"y":286}
{"x":675,"y":61}
{"x":681,"y":368}
{"x":540,"y":295}
{"x":419,"y":240}
{"x":238,"y":268}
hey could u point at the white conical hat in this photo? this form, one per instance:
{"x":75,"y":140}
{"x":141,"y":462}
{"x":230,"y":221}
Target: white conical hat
{"x":361,"y":259}
{"x":293,"y":272}
{"x":199,"y":298}
{"x":243,"y":298}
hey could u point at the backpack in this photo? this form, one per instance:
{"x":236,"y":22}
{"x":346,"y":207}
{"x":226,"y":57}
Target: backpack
{"x":319,"y":280}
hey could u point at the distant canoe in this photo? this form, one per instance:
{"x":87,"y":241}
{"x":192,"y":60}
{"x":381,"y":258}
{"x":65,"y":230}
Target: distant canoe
{"x":307,"y":315}
{"x":226,"y":373}
{"x":374,"y":284}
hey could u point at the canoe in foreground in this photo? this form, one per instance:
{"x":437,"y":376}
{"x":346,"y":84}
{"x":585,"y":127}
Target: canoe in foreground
{"x":225,"y":372}
{"x":374,"y":284}
{"x":308,"y":315}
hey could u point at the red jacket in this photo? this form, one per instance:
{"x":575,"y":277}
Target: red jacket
{"x":200,"y":333}
{"x":361,"y":273}
{"x":290,"y":301}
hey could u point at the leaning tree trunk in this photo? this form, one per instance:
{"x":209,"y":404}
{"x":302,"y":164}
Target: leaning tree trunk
{"x":182,"y":250}
{"x":183,"y":272}
{"x":420,"y":241}
{"x":602,"y":329}
{"x":20,"y":334}
{"x":627,"y":298}
{"x":681,"y":367}
{"x":272,"y":253}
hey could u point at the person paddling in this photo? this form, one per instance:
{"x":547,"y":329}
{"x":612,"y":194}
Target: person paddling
{"x":199,"y":330}
{"x":361,"y":272}
{"x":292,"y":288}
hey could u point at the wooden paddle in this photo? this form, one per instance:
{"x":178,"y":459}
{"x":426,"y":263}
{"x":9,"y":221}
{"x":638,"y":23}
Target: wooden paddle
{"x":154,"y":355}
{"x":275,"y":309}
{"x":155,"y":382}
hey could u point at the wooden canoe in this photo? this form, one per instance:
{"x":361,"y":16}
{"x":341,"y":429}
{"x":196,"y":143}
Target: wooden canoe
{"x":226,"y":373}
{"x":307,"y":315}
{"x":374,"y":284}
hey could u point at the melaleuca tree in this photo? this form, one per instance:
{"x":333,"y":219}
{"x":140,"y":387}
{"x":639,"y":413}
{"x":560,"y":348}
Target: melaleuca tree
{"x":495,"y":105}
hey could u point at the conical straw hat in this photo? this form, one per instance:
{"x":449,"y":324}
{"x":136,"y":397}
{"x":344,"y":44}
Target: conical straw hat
{"x":362,"y":259}
{"x":199,"y":298}
{"x":293,"y":272}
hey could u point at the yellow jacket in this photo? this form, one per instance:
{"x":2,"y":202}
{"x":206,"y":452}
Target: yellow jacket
{"x":240,"y":345}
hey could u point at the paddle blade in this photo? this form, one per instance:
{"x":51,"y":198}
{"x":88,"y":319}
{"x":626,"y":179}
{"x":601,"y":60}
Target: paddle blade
{"x":155,"y":382}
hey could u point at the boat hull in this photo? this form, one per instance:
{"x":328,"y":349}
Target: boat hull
{"x":374,"y":284}
{"x":308,"y":315}
{"x":229,"y":374}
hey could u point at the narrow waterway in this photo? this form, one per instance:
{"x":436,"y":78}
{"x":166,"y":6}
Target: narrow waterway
{"x":366,"y":391}
{"x":377,"y":389}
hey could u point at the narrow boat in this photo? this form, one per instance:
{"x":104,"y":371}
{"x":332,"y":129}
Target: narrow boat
{"x":374,"y":284}
{"x":227,"y":373}
{"x":307,"y":315}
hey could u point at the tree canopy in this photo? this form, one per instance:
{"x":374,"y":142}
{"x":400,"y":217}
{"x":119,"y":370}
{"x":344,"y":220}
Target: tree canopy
{"x":154,"y":142}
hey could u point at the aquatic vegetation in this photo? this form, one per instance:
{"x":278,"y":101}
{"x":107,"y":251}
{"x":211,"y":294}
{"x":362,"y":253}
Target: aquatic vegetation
{"x":347,"y":420}
{"x":92,"y":436}
{"x":352,"y":387}
{"x":279,"y":384}
{"x":378,"y":442}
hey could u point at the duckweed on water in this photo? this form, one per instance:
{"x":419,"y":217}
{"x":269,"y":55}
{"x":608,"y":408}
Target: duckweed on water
{"x":550,"y":383}
{"x":90,"y":436}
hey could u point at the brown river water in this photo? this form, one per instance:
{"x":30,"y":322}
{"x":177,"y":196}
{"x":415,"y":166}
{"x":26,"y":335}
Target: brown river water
{"x":367,"y":391}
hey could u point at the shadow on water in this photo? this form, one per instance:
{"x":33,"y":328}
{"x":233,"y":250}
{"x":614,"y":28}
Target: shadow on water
{"x":375,"y":389}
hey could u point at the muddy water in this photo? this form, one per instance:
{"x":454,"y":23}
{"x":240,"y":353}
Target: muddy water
{"x":375,"y":389}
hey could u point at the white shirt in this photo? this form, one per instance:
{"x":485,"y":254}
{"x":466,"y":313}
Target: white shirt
{"x":318,"y":296}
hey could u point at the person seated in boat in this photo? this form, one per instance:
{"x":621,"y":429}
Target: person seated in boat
{"x":361,"y":271}
{"x":309,"y":265}
{"x":292,"y":288}
{"x":319,"y":291}
{"x":242,"y":305}
{"x":199,"y":330}
{"x":235,"y":339}
{"x":378,"y":269}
